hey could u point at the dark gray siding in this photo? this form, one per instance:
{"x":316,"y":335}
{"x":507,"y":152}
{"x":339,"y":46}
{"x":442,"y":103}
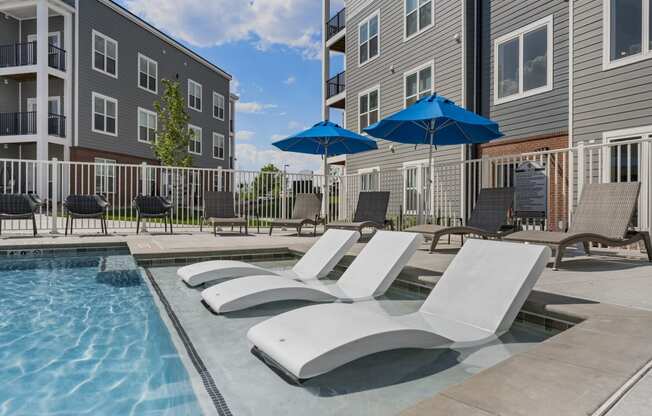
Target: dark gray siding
{"x":436,"y":44}
{"x":541,"y":114}
{"x":9,"y":30}
{"x":55,"y":24}
{"x":605,"y":100}
{"x":9,"y":96}
{"x":132,"y":39}
{"x":55,"y":89}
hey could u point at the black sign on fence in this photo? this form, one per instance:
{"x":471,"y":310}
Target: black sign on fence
{"x":531,"y":191}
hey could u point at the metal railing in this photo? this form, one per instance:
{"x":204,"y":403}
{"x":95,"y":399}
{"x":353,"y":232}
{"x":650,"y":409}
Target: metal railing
{"x":56,"y":58}
{"x":18,"y":54}
{"x":336,"y":24}
{"x":445,"y":194}
{"x":24,"y":123}
{"x":17,"y":124}
{"x":336,"y":85}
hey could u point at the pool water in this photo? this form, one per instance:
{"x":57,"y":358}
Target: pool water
{"x":82,"y":335}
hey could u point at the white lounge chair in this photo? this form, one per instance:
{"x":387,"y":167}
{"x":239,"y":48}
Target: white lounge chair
{"x":476,"y":300}
{"x":370,"y":274}
{"x":316,"y":263}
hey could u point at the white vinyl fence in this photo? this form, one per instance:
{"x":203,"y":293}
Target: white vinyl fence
{"x":446,"y":195}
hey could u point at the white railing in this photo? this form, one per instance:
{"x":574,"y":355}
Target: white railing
{"x":446,"y":195}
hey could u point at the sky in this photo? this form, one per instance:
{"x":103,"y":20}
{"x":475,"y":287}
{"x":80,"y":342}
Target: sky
{"x":272,"y":49}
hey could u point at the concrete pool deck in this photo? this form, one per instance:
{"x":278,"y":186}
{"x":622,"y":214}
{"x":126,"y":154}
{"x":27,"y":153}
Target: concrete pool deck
{"x":608,"y":296}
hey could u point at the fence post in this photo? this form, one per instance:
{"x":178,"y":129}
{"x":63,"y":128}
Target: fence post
{"x":54,"y":202}
{"x":580,"y":167}
{"x":143,"y":187}
{"x":284,"y":196}
{"x":646,"y":185}
{"x":571,"y":185}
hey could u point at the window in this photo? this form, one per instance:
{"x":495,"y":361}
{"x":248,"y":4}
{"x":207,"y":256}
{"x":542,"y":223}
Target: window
{"x":418,"y":84}
{"x":369,"y":107}
{"x":105,"y":54}
{"x":231,"y":117}
{"x":627,"y":34}
{"x":218,"y":106}
{"x":194,"y":145}
{"x":105,"y":114}
{"x":147,"y":73}
{"x":147,"y":125}
{"x":523,"y":62}
{"x":419,"y":15}
{"x":104,"y":176}
{"x":369,"y":39}
{"x":369,"y":179}
{"x":218,"y":146}
{"x":194,"y":95}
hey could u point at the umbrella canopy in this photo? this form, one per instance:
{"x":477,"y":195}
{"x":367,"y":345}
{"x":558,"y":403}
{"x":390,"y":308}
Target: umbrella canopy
{"x":326,"y":138}
{"x":435,"y":120}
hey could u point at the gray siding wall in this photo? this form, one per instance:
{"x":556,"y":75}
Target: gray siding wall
{"x":435,"y":44}
{"x":605,"y":100}
{"x":8,"y":30}
{"x":132,"y":39}
{"x":541,"y":114}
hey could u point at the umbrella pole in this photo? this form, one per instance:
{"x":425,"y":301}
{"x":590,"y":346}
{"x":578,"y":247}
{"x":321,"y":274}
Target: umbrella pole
{"x":430,"y":176}
{"x":326,"y":190}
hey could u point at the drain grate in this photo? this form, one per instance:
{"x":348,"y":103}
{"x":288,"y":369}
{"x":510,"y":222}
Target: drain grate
{"x":206,"y":377}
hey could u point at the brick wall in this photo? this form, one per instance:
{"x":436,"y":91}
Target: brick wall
{"x":558,"y":178}
{"x":82,"y":154}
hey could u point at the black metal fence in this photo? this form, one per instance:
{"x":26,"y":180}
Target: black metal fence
{"x":336,"y":23}
{"x":336,"y":84}
{"x":18,"y":54}
{"x":24,"y":123}
{"x":56,"y":58}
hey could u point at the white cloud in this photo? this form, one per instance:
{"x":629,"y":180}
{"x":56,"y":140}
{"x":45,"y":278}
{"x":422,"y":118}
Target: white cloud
{"x":250,"y":157}
{"x":294,"y":125}
{"x":276,"y":137}
{"x":235,"y":86}
{"x":245,"y":135}
{"x":253,"y":107}
{"x":291,"y":80}
{"x":265,"y":23}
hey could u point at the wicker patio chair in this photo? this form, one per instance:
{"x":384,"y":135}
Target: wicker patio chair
{"x":19,"y":207}
{"x":219,"y":210}
{"x":487,"y":219}
{"x":86,"y":206}
{"x":307,"y":208}
{"x":603,"y":215}
{"x":370,"y":212}
{"x":151,"y":206}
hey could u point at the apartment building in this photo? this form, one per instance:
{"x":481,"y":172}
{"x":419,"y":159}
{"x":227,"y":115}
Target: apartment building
{"x":78,"y":82}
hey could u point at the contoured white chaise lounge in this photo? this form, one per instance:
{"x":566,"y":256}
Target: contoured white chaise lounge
{"x":316,"y":263}
{"x":476,"y":300}
{"x":371,"y":273}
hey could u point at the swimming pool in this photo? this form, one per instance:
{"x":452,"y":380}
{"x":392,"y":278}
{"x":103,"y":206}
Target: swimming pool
{"x":82,"y":335}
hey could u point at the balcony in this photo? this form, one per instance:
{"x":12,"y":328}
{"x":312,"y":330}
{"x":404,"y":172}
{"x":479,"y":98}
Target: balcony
{"x":24,"y":123}
{"x":24,"y":54}
{"x":335,"y":32}
{"x":336,"y":90}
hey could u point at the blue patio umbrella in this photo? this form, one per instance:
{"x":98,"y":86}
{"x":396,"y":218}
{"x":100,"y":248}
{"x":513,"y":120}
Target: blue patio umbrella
{"x":435,"y":120}
{"x":327,"y":139}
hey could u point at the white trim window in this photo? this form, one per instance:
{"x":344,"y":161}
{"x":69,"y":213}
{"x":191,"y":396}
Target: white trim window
{"x":105,"y":114}
{"x":627,"y":37}
{"x":368,"y":107}
{"x":523,"y":63}
{"x":369,"y":38}
{"x":419,"y":16}
{"x":418,"y":83}
{"x":194,"y":144}
{"x":218,"y":146}
{"x":369,"y":179}
{"x":147,"y":125}
{"x":147,"y":73}
{"x":104,"y":176}
{"x":105,"y":54}
{"x":218,"y":106}
{"x":194,"y":95}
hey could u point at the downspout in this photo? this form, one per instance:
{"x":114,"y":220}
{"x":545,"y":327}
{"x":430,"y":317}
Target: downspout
{"x":570,"y":71}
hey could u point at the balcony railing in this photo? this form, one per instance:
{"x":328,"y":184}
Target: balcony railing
{"x":18,"y":54}
{"x":336,"y":85}
{"x":22,"y":54}
{"x":24,"y":123}
{"x":336,"y":23}
{"x":56,"y":58}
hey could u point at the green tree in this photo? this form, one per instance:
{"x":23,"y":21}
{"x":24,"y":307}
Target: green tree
{"x":267,"y":182}
{"x":173,"y":137}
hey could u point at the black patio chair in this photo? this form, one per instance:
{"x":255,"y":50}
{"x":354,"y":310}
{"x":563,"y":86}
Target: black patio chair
{"x":86,"y":206}
{"x":153,"y":207}
{"x":19,"y":207}
{"x":219,"y":210}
